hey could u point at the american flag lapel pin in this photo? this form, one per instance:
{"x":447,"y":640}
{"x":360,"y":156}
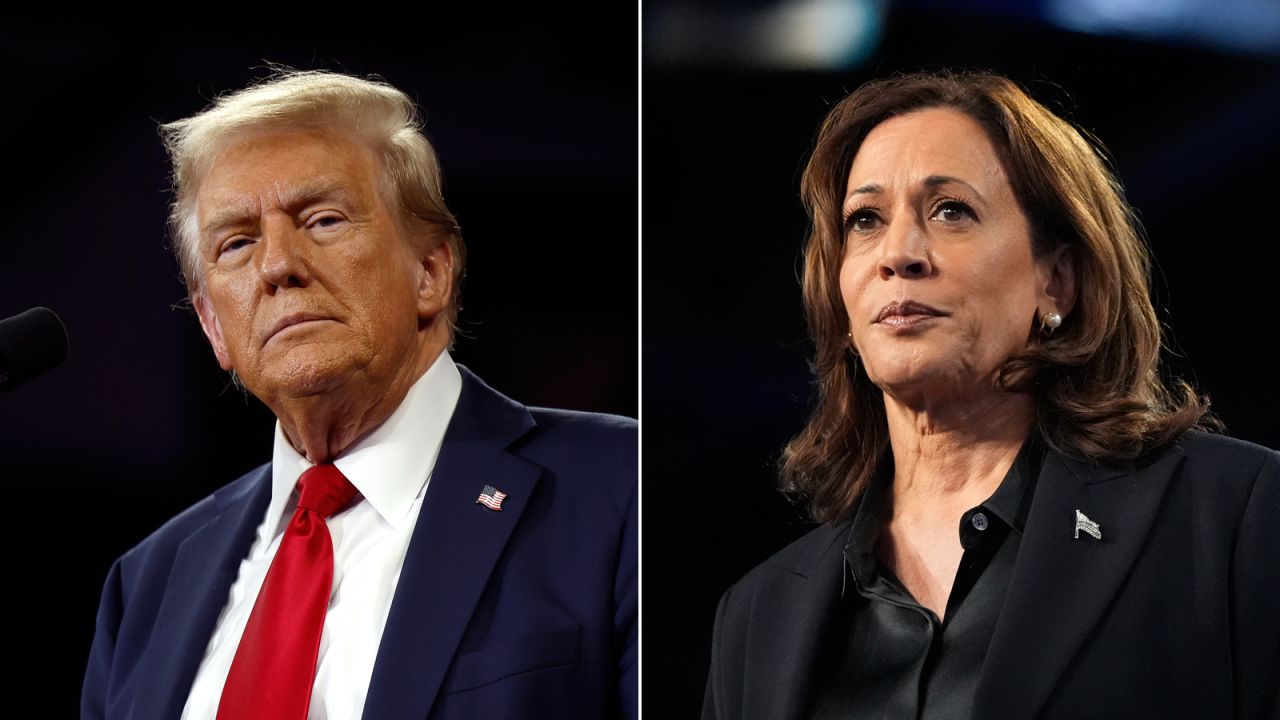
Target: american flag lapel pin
{"x":491,"y":497}
{"x":1091,"y":528}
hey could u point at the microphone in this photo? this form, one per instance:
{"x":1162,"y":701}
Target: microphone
{"x":30,"y":343}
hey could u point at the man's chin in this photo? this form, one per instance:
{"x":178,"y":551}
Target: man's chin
{"x":300,"y":380}
{"x":311,"y":386}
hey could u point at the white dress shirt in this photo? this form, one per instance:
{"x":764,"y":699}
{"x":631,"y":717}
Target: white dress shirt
{"x":390,"y":468}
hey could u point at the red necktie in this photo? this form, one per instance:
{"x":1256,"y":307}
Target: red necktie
{"x":275,"y":664}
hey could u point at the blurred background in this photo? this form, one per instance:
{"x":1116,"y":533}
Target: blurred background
{"x":535,"y":118}
{"x":1184,"y":93}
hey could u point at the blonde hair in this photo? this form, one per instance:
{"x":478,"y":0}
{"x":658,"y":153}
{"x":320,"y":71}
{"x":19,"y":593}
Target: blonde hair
{"x":374,"y":112}
{"x":1096,"y":381}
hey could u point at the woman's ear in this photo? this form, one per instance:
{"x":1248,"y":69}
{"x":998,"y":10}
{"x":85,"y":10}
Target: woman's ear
{"x":1059,"y":284}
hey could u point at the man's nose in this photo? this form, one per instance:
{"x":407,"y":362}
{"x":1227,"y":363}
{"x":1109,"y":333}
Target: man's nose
{"x":284,"y":254}
{"x":904,"y":251}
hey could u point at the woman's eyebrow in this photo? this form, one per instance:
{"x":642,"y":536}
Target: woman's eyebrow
{"x":934,"y":181}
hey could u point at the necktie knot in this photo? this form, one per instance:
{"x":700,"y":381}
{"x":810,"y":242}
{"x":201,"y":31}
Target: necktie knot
{"x":324,"y":489}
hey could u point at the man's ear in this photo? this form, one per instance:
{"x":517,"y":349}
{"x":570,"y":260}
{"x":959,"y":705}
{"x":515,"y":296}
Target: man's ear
{"x":1059,"y":283}
{"x":435,"y":284}
{"x":212,"y":328}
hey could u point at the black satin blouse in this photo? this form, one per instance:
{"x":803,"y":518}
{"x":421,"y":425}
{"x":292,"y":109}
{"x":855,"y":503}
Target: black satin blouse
{"x":890,"y":656}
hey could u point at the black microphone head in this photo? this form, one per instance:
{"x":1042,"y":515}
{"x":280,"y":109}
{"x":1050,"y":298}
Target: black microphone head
{"x":30,"y":343}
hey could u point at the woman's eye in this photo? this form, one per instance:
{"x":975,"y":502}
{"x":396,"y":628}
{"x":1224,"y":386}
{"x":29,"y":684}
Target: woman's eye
{"x":861,"y":221}
{"x":953,"y":211}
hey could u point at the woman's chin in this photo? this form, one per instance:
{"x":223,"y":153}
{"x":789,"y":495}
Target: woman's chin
{"x":905,"y":376}
{"x":927,"y":385}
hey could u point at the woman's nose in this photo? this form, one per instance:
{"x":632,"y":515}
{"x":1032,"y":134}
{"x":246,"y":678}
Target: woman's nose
{"x":905,"y":252}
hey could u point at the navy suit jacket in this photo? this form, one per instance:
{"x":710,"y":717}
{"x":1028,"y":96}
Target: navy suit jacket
{"x":528,"y":612}
{"x":1174,"y":613}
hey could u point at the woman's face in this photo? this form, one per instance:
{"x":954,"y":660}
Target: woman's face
{"x":938,"y":276}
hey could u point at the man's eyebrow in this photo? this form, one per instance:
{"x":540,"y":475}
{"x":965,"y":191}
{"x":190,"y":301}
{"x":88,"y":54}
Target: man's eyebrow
{"x":301,"y":195}
{"x":292,"y":199}
{"x":227,"y":217}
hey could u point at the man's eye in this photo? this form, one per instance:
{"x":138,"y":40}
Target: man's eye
{"x":326,"y":221}
{"x":235,"y":244}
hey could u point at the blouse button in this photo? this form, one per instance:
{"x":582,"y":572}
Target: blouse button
{"x":979,"y":521}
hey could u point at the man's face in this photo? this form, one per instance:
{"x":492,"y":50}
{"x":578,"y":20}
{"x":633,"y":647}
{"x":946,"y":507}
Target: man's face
{"x":308,"y":278}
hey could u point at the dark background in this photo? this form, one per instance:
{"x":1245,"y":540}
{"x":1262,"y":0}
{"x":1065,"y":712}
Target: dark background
{"x":1191,"y":117}
{"x":535,"y":118}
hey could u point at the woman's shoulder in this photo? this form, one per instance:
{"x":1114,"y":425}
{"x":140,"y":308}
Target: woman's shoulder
{"x":1226,"y":459}
{"x":1213,"y":445}
{"x":1200,"y":475}
{"x":811,"y":556}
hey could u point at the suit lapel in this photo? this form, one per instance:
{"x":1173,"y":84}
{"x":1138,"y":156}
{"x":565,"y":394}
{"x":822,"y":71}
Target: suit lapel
{"x":797,"y":613}
{"x":1061,"y":585}
{"x":204,"y":567}
{"x":454,"y":547}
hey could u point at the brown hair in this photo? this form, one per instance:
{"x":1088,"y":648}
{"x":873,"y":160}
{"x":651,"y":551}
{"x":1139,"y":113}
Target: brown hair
{"x":1096,"y":382}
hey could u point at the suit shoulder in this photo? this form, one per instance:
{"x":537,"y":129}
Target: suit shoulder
{"x":1225,"y":458}
{"x":584,"y":425}
{"x":594,"y":438}
{"x":1206,"y":443}
{"x":165,"y":540}
{"x":591,"y":453}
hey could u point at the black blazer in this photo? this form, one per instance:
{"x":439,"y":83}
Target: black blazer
{"x":1175,"y":613}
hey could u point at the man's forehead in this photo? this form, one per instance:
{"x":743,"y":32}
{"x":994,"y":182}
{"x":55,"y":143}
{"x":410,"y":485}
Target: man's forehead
{"x":258,"y":160}
{"x":256,"y":171}
{"x":284,"y":193}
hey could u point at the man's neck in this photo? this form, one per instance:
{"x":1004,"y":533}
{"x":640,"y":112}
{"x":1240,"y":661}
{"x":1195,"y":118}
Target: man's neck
{"x":321,"y":427}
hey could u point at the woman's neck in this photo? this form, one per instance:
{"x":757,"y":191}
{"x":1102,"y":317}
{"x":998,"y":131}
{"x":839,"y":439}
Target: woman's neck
{"x":950,"y":457}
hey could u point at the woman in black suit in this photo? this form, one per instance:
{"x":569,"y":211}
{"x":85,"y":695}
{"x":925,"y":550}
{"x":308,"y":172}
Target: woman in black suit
{"x":1020,"y":517}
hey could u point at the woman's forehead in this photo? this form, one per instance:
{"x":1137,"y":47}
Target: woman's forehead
{"x":907,"y":150}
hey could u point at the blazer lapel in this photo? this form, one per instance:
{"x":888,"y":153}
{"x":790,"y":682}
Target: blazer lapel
{"x":797,"y":613}
{"x":454,"y":547}
{"x":204,"y":567}
{"x":1061,"y":584}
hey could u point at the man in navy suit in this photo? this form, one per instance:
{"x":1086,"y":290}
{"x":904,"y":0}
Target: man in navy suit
{"x":486,"y":566}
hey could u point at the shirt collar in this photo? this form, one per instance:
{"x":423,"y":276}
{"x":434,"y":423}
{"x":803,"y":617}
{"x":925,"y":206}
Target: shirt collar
{"x":1011,"y":502}
{"x":391,"y":465}
{"x":860,"y":550}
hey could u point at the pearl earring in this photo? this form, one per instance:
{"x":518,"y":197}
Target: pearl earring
{"x":1050,"y":322}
